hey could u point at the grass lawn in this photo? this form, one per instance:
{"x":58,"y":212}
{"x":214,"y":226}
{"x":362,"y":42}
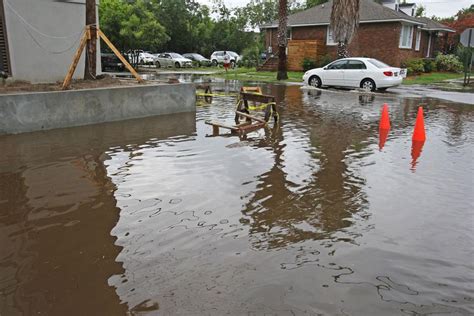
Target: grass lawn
{"x":432,"y":77}
{"x":251,"y":74}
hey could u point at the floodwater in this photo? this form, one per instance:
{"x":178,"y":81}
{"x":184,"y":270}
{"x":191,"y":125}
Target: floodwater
{"x":307,"y":217}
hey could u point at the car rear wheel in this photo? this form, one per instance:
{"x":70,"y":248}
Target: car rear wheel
{"x":177,"y":65}
{"x":368,"y":85}
{"x":232,"y":64}
{"x":315,"y":81}
{"x":157,"y":64}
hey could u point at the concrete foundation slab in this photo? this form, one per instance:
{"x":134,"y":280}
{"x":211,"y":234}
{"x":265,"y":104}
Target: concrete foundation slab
{"x":28,"y":112}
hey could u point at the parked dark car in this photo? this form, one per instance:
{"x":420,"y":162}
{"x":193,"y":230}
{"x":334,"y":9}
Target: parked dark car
{"x":198,"y":59}
{"x":110,"y":61}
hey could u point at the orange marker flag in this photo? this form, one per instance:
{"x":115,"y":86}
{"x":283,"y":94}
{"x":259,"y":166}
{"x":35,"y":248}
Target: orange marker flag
{"x":419,"y":132}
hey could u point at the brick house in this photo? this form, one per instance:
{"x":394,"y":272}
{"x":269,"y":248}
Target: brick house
{"x":386,"y":31}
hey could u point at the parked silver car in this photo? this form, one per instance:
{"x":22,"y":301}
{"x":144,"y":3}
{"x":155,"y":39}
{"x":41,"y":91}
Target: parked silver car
{"x":172,"y":60}
{"x":218,"y":58}
{"x":198,"y":59}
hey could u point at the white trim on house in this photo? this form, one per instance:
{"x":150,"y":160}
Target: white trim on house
{"x":428,"y":53}
{"x":329,"y":38}
{"x":272,"y":26}
{"x":406,"y":36}
{"x":418,"y":39}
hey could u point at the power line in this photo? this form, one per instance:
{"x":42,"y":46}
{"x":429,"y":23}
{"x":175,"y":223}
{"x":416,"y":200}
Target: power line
{"x":24,"y":21}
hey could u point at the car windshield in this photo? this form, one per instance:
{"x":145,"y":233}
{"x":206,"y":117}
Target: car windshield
{"x":198,"y":56}
{"x":378,"y":63}
{"x":147,"y":55}
{"x":233,"y":54}
{"x":174,"y":55}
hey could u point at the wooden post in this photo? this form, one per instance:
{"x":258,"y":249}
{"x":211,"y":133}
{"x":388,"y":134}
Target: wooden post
{"x":91,"y":53}
{"x":117,"y":53}
{"x":75,"y":60}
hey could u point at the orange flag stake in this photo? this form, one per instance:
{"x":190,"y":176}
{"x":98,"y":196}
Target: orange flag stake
{"x":384,"y":120}
{"x":419,"y":131}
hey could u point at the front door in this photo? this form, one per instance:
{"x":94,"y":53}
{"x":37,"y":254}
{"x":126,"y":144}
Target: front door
{"x":333,"y":74}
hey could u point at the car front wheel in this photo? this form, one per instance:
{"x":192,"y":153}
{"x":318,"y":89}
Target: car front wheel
{"x":315,"y":81}
{"x":214,"y":63}
{"x":177,"y":65}
{"x":157,"y":64}
{"x":368,"y":85}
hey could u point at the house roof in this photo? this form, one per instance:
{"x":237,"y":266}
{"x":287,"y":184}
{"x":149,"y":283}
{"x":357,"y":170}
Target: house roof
{"x":370,"y":12}
{"x":432,"y":25}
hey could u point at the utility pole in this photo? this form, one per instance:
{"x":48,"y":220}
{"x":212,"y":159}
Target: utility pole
{"x":91,"y":49}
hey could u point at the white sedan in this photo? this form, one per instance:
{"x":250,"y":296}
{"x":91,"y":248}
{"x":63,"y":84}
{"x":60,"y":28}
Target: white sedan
{"x":366,"y":73}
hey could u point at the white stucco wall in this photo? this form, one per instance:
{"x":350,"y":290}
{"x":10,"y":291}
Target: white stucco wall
{"x":43,"y":36}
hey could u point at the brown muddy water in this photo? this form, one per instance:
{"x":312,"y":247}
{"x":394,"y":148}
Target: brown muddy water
{"x":309,"y":217}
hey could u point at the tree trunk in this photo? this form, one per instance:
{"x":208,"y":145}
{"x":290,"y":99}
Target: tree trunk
{"x":91,"y":48}
{"x":282,"y":40}
{"x":342,"y":50}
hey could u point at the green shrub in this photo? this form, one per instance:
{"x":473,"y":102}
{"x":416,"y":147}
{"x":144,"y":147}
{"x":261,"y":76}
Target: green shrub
{"x":251,"y":56}
{"x":308,"y":64}
{"x":414,"y":66}
{"x":449,"y":63}
{"x":465,"y":55}
{"x":429,"y":64}
{"x":324,"y":60}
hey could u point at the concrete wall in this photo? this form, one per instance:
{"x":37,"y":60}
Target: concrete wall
{"x":43,"y":36}
{"x":29,"y":112}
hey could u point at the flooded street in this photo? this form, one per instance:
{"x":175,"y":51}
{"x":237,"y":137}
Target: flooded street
{"x":306,"y":217}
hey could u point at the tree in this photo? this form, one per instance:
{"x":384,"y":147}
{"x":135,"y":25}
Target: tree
{"x":282,"y":39}
{"x":131,"y":25}
{"x":313,"y":3}
{"x":344,"y":22}
{"x":420,"y":11}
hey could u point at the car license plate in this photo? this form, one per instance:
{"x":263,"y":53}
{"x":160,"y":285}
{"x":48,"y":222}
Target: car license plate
{"x":403,"y":73}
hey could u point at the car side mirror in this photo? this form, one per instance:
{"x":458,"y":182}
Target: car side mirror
{"x":325,"y":68}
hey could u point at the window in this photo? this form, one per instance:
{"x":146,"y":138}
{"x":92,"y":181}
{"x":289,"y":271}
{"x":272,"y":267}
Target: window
{"x":289,"y":34}
{"x":418,"y":39}
{"x":406,"y":36}
{"x":341,"y":64}
{"x":329,"y":37}
{"x":355,"y":64}
{"x":378,"y":63}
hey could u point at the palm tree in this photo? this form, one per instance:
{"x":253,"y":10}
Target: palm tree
{"x":344,"y":22}
{"x":282,"y":40}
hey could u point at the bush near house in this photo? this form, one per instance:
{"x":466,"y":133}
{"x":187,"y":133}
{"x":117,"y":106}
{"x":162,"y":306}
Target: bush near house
{"x":308,"y":64}
{"x":324,"y":60}
{"x":429,"y":65}
{"x":414,"y":66}
{"x":450,"y":63}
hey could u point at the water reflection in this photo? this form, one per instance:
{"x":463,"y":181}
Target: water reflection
{"x":305,"y":217}
{"x":57,"y":208}
{"x":284,"y":212}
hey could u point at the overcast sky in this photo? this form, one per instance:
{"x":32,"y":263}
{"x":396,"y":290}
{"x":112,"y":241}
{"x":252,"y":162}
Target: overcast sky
{"x":440,"y":8}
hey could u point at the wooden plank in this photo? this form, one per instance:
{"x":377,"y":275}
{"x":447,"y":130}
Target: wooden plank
{"x":223,"y":125}
{"x":117,"y":53}
{"x":263,"y":98}
{"x":251,"y":128}
{"x":251,"y":117}
{"x":75,"y":60}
